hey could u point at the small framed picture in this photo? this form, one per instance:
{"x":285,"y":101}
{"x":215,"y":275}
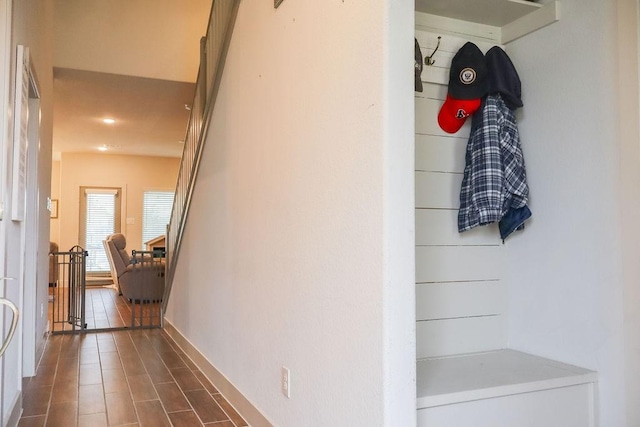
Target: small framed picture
{"x":54,"y":208}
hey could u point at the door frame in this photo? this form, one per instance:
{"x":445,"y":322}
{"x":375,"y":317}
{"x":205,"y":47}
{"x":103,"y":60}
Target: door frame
{"x":31,"y":231}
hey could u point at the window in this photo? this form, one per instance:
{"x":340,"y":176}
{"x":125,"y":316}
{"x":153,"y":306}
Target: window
{"x":99,"y":217}
{"x":156,"y":212}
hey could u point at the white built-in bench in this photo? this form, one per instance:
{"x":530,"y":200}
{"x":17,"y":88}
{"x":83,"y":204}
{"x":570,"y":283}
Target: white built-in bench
{"x":466,"y":375}
{"x":503,"y":388}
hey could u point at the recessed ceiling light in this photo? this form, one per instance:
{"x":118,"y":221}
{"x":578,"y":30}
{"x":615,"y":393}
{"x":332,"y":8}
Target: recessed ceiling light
{"x":107,"y":147}
{"x":108,"y":121}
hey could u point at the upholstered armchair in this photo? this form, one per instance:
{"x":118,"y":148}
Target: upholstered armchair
{"x":140,"y":278}
{"x":112,"y":268}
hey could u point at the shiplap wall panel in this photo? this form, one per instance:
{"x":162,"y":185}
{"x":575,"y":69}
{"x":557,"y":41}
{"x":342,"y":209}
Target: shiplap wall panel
{"x":440,"y":153}
{"x":426,"y":112}
{"x":438,"y":190}
{"x":457,"y":263}
{"x":437,"y":92}
{"x":437,"y":338}
{"x":435,"y":74}
{"x":439,"y":227}
{"x":460,"y":299}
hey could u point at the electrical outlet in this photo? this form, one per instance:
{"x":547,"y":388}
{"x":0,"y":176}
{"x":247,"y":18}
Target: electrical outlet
{"x":41,"y":309}
{"x":286,"y":382}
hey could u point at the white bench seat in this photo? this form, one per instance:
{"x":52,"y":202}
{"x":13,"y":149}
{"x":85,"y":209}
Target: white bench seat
{"x":492,"y":388}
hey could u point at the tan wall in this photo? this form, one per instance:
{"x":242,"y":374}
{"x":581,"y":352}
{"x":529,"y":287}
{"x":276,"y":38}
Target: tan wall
{"x":134,"y":174}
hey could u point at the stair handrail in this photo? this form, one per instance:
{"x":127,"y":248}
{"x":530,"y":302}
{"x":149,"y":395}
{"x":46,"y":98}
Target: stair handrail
{"x":213,"y":52}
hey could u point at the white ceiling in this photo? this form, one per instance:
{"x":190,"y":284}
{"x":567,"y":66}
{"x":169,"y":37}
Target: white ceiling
{"x":150,"y":114}
{"x":135,"y":61}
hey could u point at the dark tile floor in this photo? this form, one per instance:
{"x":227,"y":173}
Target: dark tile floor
{"x":121,"y":378}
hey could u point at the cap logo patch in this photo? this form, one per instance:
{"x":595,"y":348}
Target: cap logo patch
{"x":467,"y":76}
{"x":461,"y":114}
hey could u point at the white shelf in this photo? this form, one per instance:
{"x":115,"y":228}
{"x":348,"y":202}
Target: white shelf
{"x":511,"y":19}
{"x":496,"y":13}
{"x":456,"y":379}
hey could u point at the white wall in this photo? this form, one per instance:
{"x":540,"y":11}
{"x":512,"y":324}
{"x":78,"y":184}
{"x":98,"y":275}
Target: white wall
{"x":299,"y":245}
{"x":565,"y":272}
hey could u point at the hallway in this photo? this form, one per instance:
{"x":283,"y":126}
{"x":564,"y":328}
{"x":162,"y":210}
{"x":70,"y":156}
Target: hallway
{"x":123,"y":378}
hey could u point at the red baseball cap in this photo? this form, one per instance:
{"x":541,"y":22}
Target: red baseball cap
{"x":454,"y":113}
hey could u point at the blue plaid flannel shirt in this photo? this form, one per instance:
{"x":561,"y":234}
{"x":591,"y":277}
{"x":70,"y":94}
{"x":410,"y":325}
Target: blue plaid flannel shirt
{"x":494,"y":175}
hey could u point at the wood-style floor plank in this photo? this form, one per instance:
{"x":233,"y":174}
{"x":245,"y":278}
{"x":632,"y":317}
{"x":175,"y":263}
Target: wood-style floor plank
{"x":37,"y":421}
{"x":120,"y":409}
{"x":172,"y":398}
{"x":36,"y":401}
{"x":63,"y":414}
{"x":184,"y":419}
{"x":141,"y":388}
{"x":93,"y":420}
{"x":205,"y":406}
{"x":151,"y":414}
{"x":91,"y":399}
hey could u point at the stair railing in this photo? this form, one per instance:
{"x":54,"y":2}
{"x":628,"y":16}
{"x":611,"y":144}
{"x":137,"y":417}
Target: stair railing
{"x":213,"y":51}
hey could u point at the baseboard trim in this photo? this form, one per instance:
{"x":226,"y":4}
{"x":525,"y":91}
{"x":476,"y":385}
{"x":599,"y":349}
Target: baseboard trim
{"x":240,"y":403}
{"x":41,"y":345}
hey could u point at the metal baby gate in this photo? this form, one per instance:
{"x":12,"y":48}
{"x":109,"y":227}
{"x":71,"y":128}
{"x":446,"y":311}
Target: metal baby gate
{"x":135,"y":301}
{"x":67,"y":291}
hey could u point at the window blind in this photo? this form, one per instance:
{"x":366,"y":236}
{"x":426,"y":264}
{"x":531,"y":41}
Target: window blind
{"x":100,"y":221}
{"x":156,"y":212}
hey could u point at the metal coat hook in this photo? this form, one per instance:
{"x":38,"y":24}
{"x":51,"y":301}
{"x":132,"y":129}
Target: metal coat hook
{"x":429,"y":59}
